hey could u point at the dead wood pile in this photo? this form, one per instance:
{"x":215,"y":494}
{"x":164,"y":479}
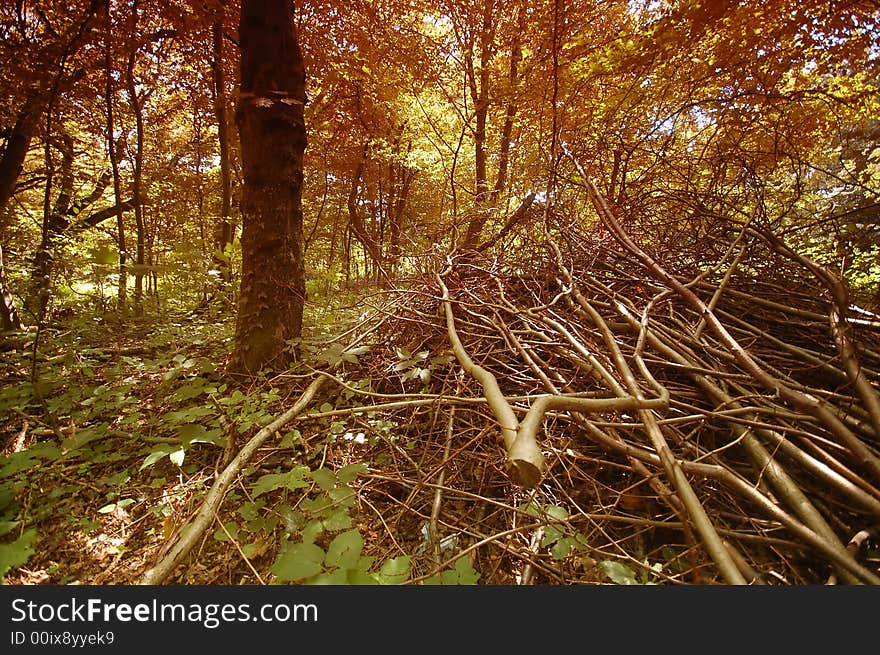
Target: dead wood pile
{"x":712,"y":424}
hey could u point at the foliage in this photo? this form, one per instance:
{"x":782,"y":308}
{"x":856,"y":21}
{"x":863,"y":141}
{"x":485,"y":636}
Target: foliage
{"x":698,"y":121}
{"x":321,"y":546}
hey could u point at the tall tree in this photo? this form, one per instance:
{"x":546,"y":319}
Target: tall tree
{"x":225,"y":230}
{"x":113,"y":154}
{"x":137,"y":178}
{"x":273,"y":139}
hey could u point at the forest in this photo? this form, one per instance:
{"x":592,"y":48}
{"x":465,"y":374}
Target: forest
{"x":533,"y":292}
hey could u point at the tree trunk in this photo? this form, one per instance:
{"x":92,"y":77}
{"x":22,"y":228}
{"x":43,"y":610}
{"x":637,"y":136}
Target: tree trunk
{"x":136,"y":192}
{"x":479,"y":84}
{"x":510,"y":113}
{"x":9,"y":319}
{"x":41,"y":275}
{"x":225,"y":233}
{"x":358,"y":226}
{"x":19,"y":138}
{"x":403,"y":177}
{"x":273,"y":139}
{"x":17,"y":144}
{"x":112,"y":154}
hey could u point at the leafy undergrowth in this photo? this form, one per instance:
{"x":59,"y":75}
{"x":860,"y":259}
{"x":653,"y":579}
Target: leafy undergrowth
{"x":394,"y":473}
{"x":110,"y":449}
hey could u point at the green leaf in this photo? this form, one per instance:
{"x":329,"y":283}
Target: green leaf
{"x":349,"y":473}
{"x":17,"y":553}
{"x":466,"y":572}
{"x":293,"y":479}
{"x":251,"y":550}
{"x":394,"y":571}
{"x":81,"y":438}
{"x":311,"y":531}
{"x":156,"y":455}
{"x":337,"y":577}
{"x":291,"y":439}
{"x":338,"y":519}
{"x":562,"y":548}
{"x":8,"y":526}
{"x":336,"y":353}
{"x":190,"y":431}
{"x":619,"y":573}
{"x":297,"y":562}
{"x":552,"y":534}
{"x":25,"y":459}
{"x":231,"y":528}
{"x":325,"y":478}
{"x":189,"y":415}
{"x":250,"y":511}
{"x":345,"y":549}
{"x":361,"y":577}
{"x":462,"y":574}
{"x":121,"y":504}
{"x":402,"y":366}
{"x":556,"y":512}
{"x":343,"y":495}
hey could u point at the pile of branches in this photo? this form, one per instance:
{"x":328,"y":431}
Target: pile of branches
{"x":699,"y":426}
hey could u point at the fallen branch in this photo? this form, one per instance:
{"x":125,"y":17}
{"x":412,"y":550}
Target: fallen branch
{"x":525,"y":461}
{"x":205,"y":516}
{"x":802,"y":401}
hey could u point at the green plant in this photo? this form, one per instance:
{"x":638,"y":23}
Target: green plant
{"x":461,"y":573}
{"x":322,"y":545}
{"x":621,"y":574}
{"x":561,"y":539}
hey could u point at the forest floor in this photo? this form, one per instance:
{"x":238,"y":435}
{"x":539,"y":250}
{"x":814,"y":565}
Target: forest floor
{"x":394,"y":471}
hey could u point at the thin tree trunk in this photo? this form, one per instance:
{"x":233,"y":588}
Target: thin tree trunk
{"x":17,"y":144}
{"x":404,"y":178}
{"x":109,"y":94}
{"x":479,"y":83}
{"x":19,"y":139}
{"x":137,"y":182}
{"x":356,"y":221}
{"x":9,"y":318}
{"x":225,"y":232}
{"x":319,"y":215}
{"x":272,"y":131}
{"x":63,"y":221}
{"x":41,"y":275}
{"x":510,"y":113}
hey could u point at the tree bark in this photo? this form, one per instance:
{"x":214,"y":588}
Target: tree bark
{"x":356,"y":221}
{"x":41,"y":275}
{"x":479,"y":84}
{"x":17,"y":144}
{"x":273,"y":139}
{"x":510,"y":113}
{"x":225,"y":232}
{"x":136,"y":190}
{"x":19,"y":139}
{"x":9,"y":319}
{"x":109,"y":93}
{"x":403,"y":181}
